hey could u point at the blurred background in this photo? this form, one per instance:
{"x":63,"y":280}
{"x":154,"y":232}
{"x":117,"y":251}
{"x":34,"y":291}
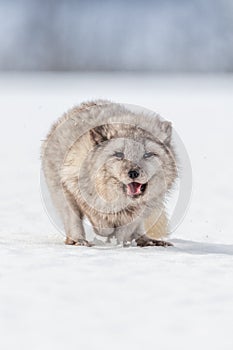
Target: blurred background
{"x":122,"y":35}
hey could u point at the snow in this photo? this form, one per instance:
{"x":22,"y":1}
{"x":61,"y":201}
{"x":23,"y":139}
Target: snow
{"x":54,"y":296}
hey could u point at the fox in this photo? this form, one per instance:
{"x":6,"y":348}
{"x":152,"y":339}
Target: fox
{"x":104,"y":162}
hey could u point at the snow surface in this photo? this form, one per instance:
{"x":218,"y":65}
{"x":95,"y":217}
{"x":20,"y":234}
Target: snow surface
{"x":54,"y":296}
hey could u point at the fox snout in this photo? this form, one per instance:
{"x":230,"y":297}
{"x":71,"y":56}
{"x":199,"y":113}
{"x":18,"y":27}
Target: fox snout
{"x":133,"y":174}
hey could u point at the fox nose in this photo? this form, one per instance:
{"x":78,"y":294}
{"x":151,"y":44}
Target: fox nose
{"x":133,"y":174}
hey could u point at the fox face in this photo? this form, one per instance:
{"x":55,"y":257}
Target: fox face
{"x":129,"y":163}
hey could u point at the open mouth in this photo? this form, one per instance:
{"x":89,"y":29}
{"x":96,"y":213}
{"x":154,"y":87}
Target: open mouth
{"x":135,"y":189}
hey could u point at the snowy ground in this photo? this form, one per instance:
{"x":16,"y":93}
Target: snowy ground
{"x":54,"y":296}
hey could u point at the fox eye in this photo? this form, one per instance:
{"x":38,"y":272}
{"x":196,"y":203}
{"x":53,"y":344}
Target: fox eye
{"x":149,"y":155}
{"x":119,"y":155}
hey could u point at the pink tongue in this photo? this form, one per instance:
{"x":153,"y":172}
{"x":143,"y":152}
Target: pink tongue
{"x":134,"y":188}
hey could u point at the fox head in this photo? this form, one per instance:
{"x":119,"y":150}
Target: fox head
{"x":128,"y":161}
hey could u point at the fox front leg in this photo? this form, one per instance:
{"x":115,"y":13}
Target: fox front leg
{"x":142,"y":240}
{"x":75,"y":234}
{"x":145,"y":241}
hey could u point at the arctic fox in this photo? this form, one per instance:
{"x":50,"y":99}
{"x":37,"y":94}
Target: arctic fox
{"x":113,"y":166}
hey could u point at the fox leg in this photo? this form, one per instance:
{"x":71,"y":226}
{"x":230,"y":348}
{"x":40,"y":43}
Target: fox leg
{"x":143,"y":240}
{"x":75,"y":234}
{"x":156,"y":225}
{"x":73,"y":223}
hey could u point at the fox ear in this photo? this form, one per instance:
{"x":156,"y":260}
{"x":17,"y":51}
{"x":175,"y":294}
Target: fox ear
{"x":166,"y":132}
{"x":100,"y":134}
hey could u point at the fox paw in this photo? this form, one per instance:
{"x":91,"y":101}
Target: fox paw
{"x":145,"y":241}
{"x":78,"y":242}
